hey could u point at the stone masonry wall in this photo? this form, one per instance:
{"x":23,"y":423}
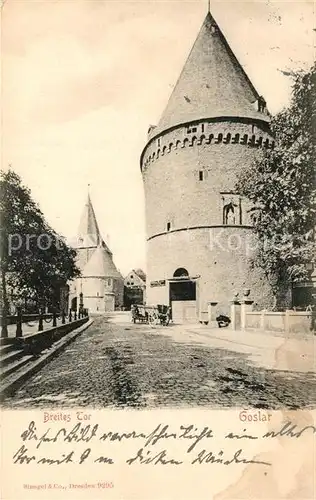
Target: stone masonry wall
{"x":219,"y":258}
{"x":173,"y":191}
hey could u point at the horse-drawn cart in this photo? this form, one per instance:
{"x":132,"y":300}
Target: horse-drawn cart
{"x":153,"y":315}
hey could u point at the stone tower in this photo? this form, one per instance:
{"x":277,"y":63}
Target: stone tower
{"x":101,"y":284}
{"x":199,"y":231}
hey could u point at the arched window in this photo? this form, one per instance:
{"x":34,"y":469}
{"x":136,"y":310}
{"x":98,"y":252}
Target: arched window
{"x":194,"y":139}
{"x":244,"y":140}
{"x":236,"y":139}
{"x":227,"y":138}
{"x":181,"y":272}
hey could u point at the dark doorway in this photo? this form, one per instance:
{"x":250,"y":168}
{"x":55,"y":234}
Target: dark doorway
{"x":74,"y":304}
{"x":183,"y":290}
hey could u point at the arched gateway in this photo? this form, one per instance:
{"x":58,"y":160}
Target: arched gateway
{"x":182,"y":295}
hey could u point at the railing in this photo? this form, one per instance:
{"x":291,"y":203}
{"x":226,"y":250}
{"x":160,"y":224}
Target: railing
{"x":21,"y":319}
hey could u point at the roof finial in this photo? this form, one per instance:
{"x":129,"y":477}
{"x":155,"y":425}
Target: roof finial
{"x":208,"y":6}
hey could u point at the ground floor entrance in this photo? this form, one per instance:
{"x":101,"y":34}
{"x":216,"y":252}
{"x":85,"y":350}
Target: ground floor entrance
{"x":183,"y":295}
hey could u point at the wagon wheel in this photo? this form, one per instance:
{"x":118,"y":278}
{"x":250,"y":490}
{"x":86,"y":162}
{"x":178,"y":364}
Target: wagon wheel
{"x":152,"y":319}
{"x":167,"y":320}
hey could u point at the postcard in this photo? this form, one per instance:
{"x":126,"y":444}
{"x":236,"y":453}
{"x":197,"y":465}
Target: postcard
{"x":158,"y":279}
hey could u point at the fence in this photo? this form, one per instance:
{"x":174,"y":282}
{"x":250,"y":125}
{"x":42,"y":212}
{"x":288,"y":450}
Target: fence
{"x":289,"y":321}
{"x":20,"y":319}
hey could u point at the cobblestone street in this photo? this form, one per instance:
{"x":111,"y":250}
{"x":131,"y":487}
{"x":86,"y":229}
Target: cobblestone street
{"x":115,"y":363}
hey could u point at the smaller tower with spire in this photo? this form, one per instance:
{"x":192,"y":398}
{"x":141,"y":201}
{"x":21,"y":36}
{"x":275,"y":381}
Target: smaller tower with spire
{"x":101,"y":283}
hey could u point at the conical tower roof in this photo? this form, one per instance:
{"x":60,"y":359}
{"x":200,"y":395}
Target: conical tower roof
{"x":212,"y":83}
{"x":89,"y":235}
{"x":100,"y":265}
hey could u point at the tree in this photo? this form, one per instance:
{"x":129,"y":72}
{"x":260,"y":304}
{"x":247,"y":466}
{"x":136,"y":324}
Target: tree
{"x":281,"y":186}
{"x":35,"y":260}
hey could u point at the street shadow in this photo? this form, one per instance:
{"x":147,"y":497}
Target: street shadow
{"x":124,"y":389}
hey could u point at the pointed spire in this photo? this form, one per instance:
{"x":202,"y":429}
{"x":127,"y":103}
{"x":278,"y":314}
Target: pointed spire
{"x":88,"y":232}
{"x":89,"y":235}
{"x":212,"y":83}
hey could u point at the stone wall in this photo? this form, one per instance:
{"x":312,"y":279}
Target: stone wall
{"x":290,"y":322}
{"x":173,"y":191}
{"x":215,"y":257}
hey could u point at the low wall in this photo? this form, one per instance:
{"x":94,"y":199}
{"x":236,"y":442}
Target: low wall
{"x":288,"y":321}
{"x":35,"y":343}
{"x":302,"y":321}
{"x":253,"y":320}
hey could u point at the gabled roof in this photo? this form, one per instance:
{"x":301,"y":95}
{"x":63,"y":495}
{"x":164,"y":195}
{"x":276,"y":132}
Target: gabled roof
{"x":212,"y":84}
{"x":100,"y":265}
{"x":140,"y":273}
{"x":89,"y":235}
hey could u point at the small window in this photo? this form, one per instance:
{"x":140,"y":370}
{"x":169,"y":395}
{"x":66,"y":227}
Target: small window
{"x":201,"y":175}
{"x":127,"y":283}
{"x":109,"y":282}
{"x":131,"y":276}
{"x":202,"y":128}
{"x":168,"y":226}
{"x":159,"y":143}
{"x":191,"y":130}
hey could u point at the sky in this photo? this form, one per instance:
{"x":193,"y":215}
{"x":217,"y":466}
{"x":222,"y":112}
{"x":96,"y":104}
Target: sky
{"x":82,"y":80}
